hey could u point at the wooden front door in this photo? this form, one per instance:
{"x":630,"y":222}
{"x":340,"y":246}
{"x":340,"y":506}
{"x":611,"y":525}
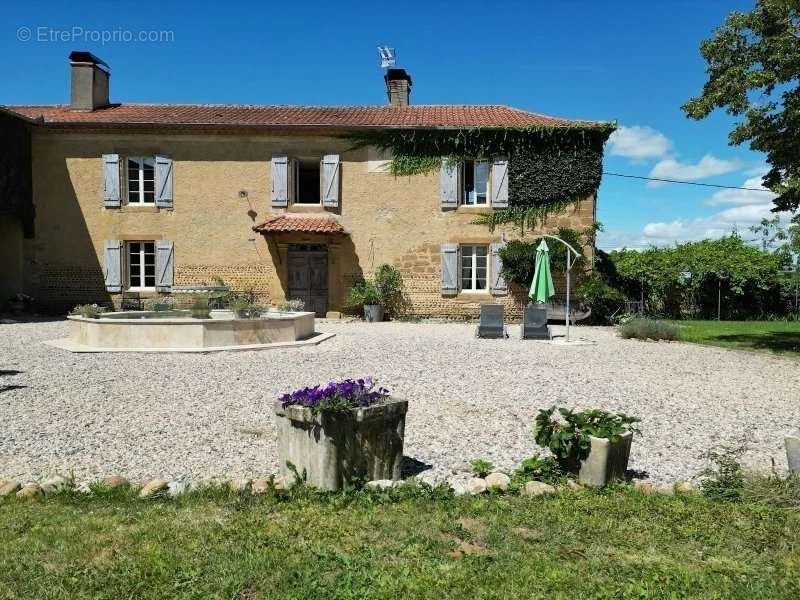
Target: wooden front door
{"x":308,"y":276}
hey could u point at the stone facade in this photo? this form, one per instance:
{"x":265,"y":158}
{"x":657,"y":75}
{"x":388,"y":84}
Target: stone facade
{"x":222,"y":188}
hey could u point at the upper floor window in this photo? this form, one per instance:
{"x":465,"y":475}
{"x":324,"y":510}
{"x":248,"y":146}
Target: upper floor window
{"x":141,"y":180}
{"x":474,"y":268}
{"x":306,"y":181}
{"x":141,"y":265}
{"x":475,"y":182}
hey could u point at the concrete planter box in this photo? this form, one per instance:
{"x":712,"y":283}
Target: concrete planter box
{"x":335,"y":448}
{"x":606,"y":461}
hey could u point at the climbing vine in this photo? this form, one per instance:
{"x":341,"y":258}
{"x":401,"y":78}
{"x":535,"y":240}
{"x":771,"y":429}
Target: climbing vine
{"x":549,"y":167}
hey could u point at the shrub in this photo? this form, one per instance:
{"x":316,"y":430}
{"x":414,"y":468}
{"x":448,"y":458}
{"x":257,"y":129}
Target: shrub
{"x":294,"y":305}
{"x":385,"y":288}
{"x":160,"y":304}
{"x":724,"y":479}
{"x":601,"y":297}
{"x":569,"y":438}
{"x":362,"y":293}
{"x":201,"y":309}
{"x":643,"y":329}
{"x":336,"y":396}
{"x":389,"y":285}
{"x":539,"y":468}
{"x":481,"y":468}
{"x":90,"y":311}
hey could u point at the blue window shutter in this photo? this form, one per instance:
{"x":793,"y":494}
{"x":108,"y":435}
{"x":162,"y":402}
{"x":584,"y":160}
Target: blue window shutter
{"x":498,"y":287}
{"x":449,"y":184}
{"x":500,"y":182}
{"x":280,"y":180}
{"x":330,"y":180}
{"x":163,"y":182}
{"x":449,"y":254}
{"x":112,"y":265}
{"x":111,"y":189}
{"x":165,"y":265}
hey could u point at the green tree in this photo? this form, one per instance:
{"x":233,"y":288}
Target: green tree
{"x":754,"y":73}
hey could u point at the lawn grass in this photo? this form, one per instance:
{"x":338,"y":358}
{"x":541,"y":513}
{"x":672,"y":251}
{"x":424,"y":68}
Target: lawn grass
{"x":612,"y":544}
{"x":778,"y":337}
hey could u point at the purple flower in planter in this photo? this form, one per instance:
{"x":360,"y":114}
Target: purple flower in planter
{"x":337,"y":395}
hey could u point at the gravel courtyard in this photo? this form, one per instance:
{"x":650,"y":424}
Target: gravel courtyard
{"x":208,"y":416}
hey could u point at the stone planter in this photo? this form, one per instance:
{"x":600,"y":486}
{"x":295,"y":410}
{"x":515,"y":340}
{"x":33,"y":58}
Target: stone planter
{"x":373,"y":313}
{"x":606,"y":461}
{"x":336,"y":448}
{"x":792,"y":441}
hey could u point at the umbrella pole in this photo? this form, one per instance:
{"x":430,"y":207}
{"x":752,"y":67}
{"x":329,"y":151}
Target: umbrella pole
{"x":567,"y":310}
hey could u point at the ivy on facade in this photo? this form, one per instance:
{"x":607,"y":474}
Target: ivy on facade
{"x":549,"y":168}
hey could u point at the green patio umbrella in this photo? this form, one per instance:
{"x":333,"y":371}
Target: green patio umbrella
{"x":542,"y":287}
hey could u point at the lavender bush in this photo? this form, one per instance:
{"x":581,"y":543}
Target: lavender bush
{"x":337,"y":395}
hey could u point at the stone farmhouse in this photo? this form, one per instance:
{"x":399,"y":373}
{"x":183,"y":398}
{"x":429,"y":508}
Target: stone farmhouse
{"x":102,"y":199}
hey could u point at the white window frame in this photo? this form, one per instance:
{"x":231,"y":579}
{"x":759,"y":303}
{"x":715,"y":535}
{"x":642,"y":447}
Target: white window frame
{"x":140,"y":201}
{"x":473,"y":289}
{"x":462,"y":187}
{"x":142,"y":255}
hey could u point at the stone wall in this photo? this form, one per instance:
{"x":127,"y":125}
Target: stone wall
{"x":222,"y":184}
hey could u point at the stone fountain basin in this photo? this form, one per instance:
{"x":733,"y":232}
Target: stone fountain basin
{"x":180,"y":331}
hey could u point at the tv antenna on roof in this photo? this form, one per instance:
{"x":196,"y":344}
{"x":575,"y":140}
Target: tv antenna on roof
{"x":388,"y":57}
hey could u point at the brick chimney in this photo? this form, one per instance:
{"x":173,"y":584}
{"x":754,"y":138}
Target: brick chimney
{"x":89,"y":88}
{"x":398,"y":87}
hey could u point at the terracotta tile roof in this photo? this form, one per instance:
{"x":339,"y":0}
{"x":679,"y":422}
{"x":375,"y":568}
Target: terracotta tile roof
{"x":248,"y":115}
{"x":304,"y":224}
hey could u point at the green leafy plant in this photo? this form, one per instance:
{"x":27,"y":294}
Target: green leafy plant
{"x":568,"y":438}
{"x":389,"y":285}
{"x":724,"y":479}
{"x":362,"y":293}
{"x":649,"y":329}
{"x":90,"y":311}
{"x":481,"y":468}
{"x":539,"y":468}
{"x":294,"y":305}
{"x":160,"y":304}
{"x":201,"y":308}
{"x":600,"y":297}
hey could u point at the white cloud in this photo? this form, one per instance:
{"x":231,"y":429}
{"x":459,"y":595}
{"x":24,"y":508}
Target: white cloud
{"x":743,"y":197}
{"x":709,"y":166}
{"x":639,"y":143}
{"x":745,"y":208}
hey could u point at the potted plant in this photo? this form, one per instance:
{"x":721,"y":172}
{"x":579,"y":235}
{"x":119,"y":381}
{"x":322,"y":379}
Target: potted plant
{"x":592,"y":444}
{"x":201,"y":308}
{"x":160,"y":304}
{"x":340,"y":432}
{"x":240,"y":304}
{"x":375,"y":297}
{"x":293,"y":305}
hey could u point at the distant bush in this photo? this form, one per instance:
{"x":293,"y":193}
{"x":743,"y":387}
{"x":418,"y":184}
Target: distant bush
{"x":601,"y":297}
{"x":644,"y":329}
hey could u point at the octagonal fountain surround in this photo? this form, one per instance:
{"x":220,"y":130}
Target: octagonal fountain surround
{"x":178,"y":331}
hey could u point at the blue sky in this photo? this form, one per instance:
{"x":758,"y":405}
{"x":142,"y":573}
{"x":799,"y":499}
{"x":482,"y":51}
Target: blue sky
{"x":632,"y":62}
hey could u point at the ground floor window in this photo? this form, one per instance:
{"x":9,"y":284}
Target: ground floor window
{"x":474,"y":268}
{"x":141,"y":265}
